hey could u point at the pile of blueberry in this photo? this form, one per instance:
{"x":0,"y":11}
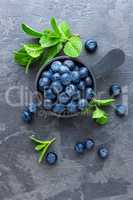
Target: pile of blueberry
{"x":66,"y":87}
{"x":89,"y":144}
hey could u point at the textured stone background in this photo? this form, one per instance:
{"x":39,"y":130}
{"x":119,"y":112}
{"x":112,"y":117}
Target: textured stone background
{"x":74,"y":178}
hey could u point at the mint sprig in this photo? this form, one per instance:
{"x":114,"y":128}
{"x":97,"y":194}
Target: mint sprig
{"x":50,"y":43}
{"x":42,"y":146}
{"x":95,"y":109}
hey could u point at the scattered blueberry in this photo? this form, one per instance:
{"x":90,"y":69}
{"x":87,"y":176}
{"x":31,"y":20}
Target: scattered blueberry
{"x":55,"y":66}
{"x":91,"y":45}
{"x":66,"y":78}
{"x":70,"y":90}
{"x":79,"y":147}
{"x":82,"y":104}
{"x":49,"y":94}
{"x":69,"y":64}
{"x":63,"y":98}
{"x":81,"y":85}
{"x":103,"y":152}
{"x":57,"y":87}
{"x":55,"y":77}
{"x":58,"y":108}
{"x":88,"y":81}
{"x":115,"y":90}
{"x":51,"y":158}
{"x":32,"y":107}
{"x":64,"y":69}
{"x":47,"y":104}
{"x":120,"y":110}
{"x":26,"y":116}
{"x":83,"y":72}
{"x":89,"y":93}
{"x":89,"y":144}
{"x":72,"y":107}
{"x":75,"y":76}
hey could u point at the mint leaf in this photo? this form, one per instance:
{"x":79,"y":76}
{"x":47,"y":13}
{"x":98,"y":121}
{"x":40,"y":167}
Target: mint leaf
{"x":48,"y":41}
{"x":30,"y":31}
{"x":34,"y":50}
{"x":22,"y":57}
{"x":100,"y":116}
{"x":39,"y":147}
{"x":55,"y":26}
{"x":103,"y":102}
{"x":28,"y":65}
{"x":65,"y":29}
{"x":73,"y":47}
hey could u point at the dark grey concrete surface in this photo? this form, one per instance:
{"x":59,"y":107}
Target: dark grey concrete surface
{"x":73,"y":178}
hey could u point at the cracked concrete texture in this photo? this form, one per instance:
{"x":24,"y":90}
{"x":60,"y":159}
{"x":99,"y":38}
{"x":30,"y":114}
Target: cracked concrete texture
{"x":80,"y":178}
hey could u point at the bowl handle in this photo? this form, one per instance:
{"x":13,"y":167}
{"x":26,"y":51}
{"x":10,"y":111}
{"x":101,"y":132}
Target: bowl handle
{"x":110,"y":61}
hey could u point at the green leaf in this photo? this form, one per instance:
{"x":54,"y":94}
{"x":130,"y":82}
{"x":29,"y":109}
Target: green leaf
{"x":39,"y":147}
{"x":52,"y":52}
{"x":36,"y":140}
{"x":21,"y":57}
{"x":43,"y":152}
{"x":73,"y":47}
{"x":34,"y":50}
{"x":100,"y":116}
{"x":55,"y":26}
{"x":47,"y":41}
{"x":30,"y":31}
{"x":28,"y":65}
{"x":65,"y":29}
{"x":103,"y":102}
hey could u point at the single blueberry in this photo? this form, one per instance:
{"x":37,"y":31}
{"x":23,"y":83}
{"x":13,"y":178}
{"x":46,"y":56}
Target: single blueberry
{"x":72,"y":107}
{"x":55,"y":77}
{"x":55,"y":66}
{"x":82,"y":104}
{"x":47,"y":74}
{"x":66,"y":78}
{"x":89,"y":93}
{"x":83,"y":72}
{"x":76,"y":68}
{"x":56,"y":87}
{"x":49,"y":94}
{"x":44,"y":81}
{"x":77,"y":95}
{"x":58,"y":108}
{"x":51,"y":158}
{"x":115,"y":90}
{"x":91,"y":45}
{"x":47,"y":104}
{"x":79,"y":147}
{"x":32,"y":107}
{"x":88,"y":81}
{"x":103,"y":152}
{"x":82,"y":85}
{"x":89,"y":144}
{"x":120,"y":110}
{"x":70,"y":90}
{"x":63,"y":98}
{"x":64,"y":69}
{"x":69,"y":64}
{"x":75,"y":76}
{"x":26,"y":116}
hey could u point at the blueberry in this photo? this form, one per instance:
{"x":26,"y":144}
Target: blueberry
{"x":49,"y":94}
{"x":47,"y":104}
{"x":63,"y":98}
{"x":66,"y":78}
{"x":70,"y":90}
{"x":83,"y":72}
{"x":103,"y":152}
{"x":88,"y":81}
{"x":69,"y":64}
{"x":26,"y":116}
{"x":81,"y":85}
{"x":89,"y":144}
{"x":89,"y":93}
{"x":55,"y":77}
{"x":72,"y":107}
{"x":91,"y":45}
{"x":120,"y":110}
{"x":82,"y":104}
{"x":44,"y":81}
{"x":58,"y":108}
{"x":55,"y":66}
{"x":77,"y":95}
{"x":57,"y":87}
{"x":47,"y":74}
{"x":64,"y":69}
{"x":51,"y":158}
{"x":75,"y":76}
{"x":115,"y":90}
{"x":32,"y":107}
{"x":76,"y":68}
{"x":79,"y":147}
